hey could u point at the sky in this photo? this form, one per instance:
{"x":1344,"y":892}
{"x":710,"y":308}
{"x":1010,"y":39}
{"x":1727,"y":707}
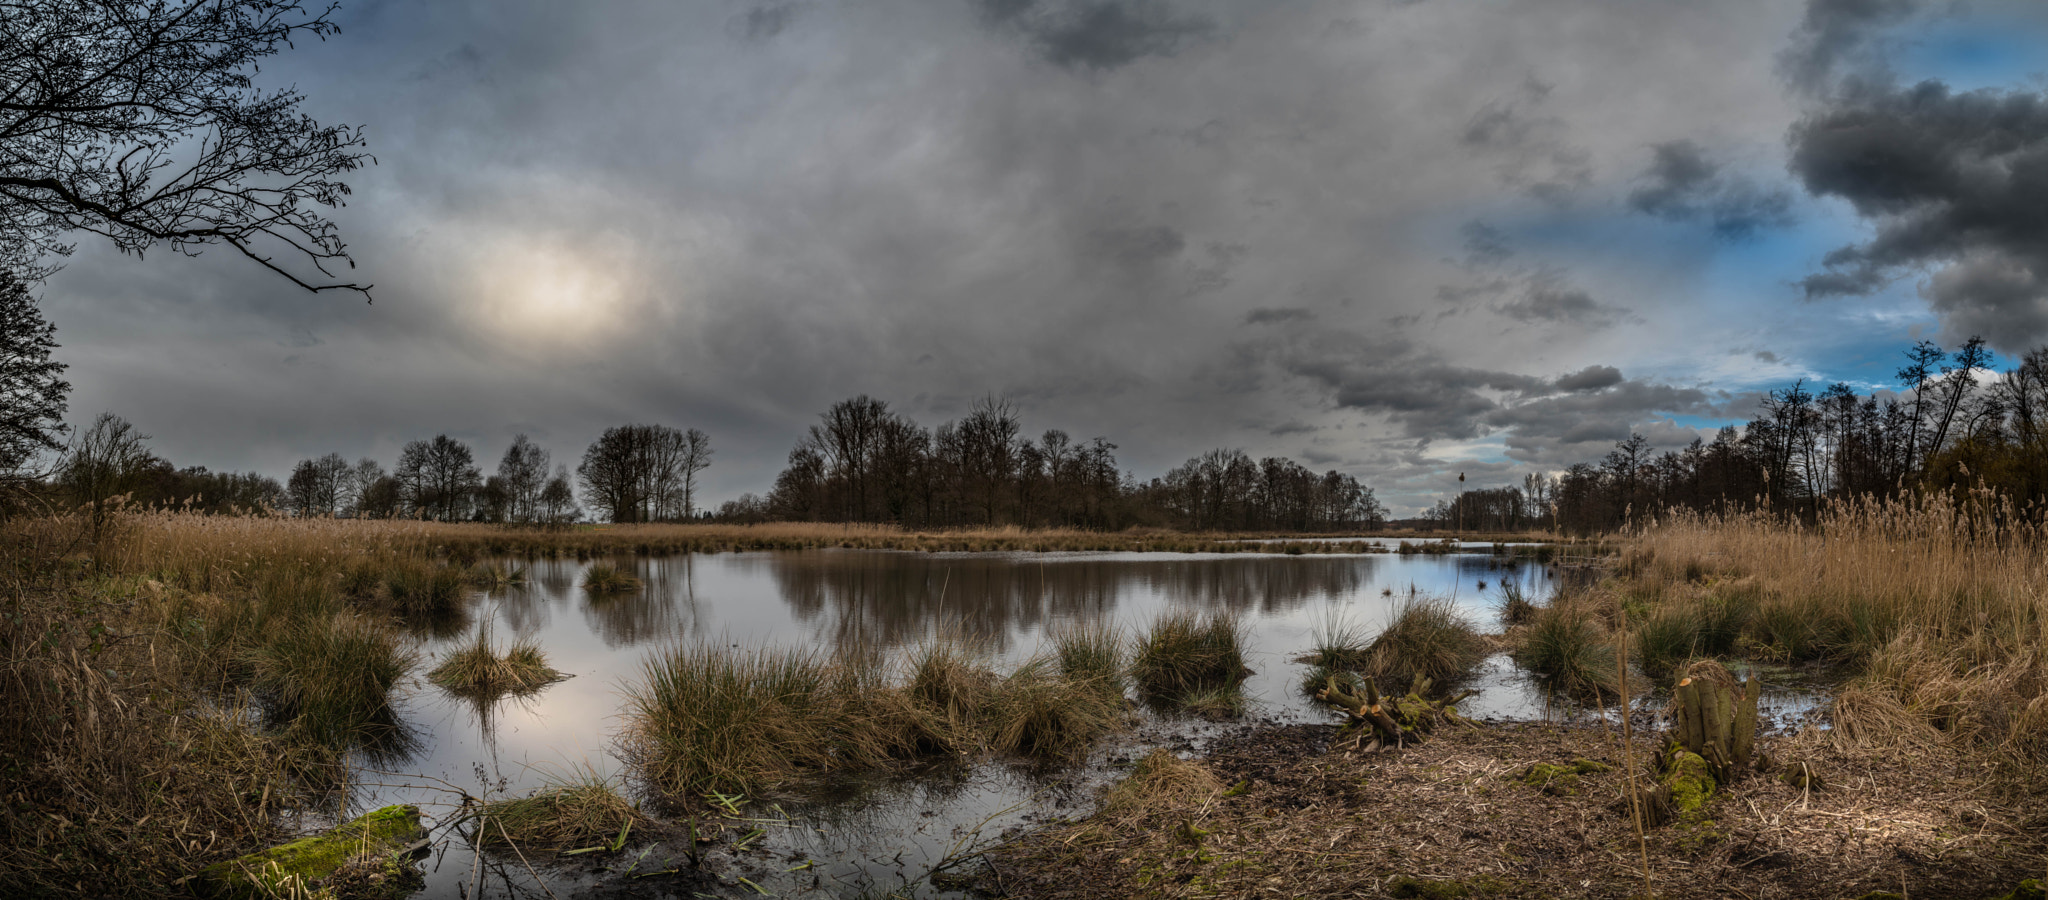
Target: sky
{"x":1404,"y":239}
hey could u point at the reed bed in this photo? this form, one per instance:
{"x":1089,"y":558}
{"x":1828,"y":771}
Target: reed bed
{"x":707,"y":717}
{"x":1938,"y":603}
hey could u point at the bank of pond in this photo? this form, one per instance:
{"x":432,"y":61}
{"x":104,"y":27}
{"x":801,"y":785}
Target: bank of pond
{"x":842,"y":721}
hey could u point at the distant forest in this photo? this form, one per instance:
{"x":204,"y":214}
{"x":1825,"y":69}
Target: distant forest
{"x":864,"y":463}
{"x":1947,"y":427}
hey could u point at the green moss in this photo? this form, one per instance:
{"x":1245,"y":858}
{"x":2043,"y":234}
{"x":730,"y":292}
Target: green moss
{"x":1585,"y":766}
{"x":309,"y":859}
{"x":2030,"y":889}
{"x":1882,"y":895}
{"x":1690,"y":782}
{"x":1556,"y":780}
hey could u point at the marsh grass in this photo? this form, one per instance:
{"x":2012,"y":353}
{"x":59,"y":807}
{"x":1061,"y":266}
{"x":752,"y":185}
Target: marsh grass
{"x":1091,"y":653}
{"x":497,"y":575}
{"x":579,"y":811}
{"x":477,"y":669}
{"x":1515,"y":607}
{"x":718,"y":718}
{"x":608,"y":578}
{"x":1337,"y":642}
{"x":1935,"y":600}
{"x":329,"y":679}
{"x":1424,"y":636}
{"x":1566,"y":646}
{"x":1035,"y":712}
{"x":1184,"y":652}
{"x":423,"y":590}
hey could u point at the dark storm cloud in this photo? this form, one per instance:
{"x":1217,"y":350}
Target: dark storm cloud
{"x":1098,"y":34}
{"x":1576,"y":426}
{"x":1590,"y":378}
{"x":730,"y":215}
{"x":1560,"y":305}
{"x":1955,"y":182}
{"x":1838,"y":35}
{"x":1270,"y":315}
{"x":1683,"y":185}
{"x":763,"y":22}
{"x":1548,"y":422}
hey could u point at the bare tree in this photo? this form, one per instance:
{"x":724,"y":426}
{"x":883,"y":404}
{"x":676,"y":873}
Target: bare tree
{"x":137,"y":120}
{"x":523,"y":473}
{"x":696,"y":457}
{"x":104,"y":464}
{"x":317,"y":486}
{"x":558,"y":501}
{"x":438,"y":478}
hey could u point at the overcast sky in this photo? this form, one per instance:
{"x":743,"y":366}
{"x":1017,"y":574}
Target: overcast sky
{"x":1399,"y":239}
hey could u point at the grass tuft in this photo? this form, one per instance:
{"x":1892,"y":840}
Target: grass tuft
{"x":1091,"y":653}
{"x":585,"y":810}
{"x":1160,"y":781}
{"x":608,"y":578}
{"x":1426,"y":636}
{"x":1184,"y":653}
{"x":1035,"y":712}
{"x":477,"y":669}
{"x":1565,"y":645}
{"x":330,"y":678}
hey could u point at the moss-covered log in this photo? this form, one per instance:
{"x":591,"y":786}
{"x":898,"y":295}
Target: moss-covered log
{"x":390,"y":833}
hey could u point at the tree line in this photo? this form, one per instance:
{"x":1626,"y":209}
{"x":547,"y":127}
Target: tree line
{"x":631,"y":473}
{"x":1946,"y":427}
{"x":863,"y":462}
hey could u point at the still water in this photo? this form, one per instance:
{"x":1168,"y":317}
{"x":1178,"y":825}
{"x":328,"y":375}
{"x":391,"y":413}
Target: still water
{"x":834,"y":599}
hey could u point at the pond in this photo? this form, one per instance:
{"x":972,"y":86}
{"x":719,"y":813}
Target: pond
{"x":894,"y":832}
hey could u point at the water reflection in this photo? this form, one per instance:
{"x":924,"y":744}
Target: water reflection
{"x":888,"y":599}
{"x":664,"y":606}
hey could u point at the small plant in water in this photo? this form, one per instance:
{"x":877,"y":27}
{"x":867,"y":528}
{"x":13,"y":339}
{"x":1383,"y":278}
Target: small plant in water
{"x":1566,"y":646}
{"x":1184,"y":653}
{"x":607,"y":578}
{"x":477,"y":669}
{"x":1426,"y":637}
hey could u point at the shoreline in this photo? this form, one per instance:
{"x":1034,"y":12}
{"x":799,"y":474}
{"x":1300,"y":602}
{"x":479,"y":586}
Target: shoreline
{"x":1461,"y":816}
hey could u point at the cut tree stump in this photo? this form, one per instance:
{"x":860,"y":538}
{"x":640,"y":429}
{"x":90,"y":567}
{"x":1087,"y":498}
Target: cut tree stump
{"x":1374,"y":723}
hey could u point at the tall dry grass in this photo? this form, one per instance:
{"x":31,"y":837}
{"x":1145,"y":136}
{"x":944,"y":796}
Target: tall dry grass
{"x":1939,"y":602}
{"x":713,"y":717}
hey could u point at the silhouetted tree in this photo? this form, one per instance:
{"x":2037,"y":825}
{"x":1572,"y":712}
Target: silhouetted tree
{"x":437,"y":478}
{"x":138,"y":121}
{"x":31,"y":391}
{"x":523,"y":472}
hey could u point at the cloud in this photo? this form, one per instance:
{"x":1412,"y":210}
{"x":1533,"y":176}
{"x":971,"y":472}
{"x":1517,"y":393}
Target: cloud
{"x":1839,"y":34}
{"x":1682,"y":185}
{"x":1269,"y":315}
{"x":1097,"y":34}
{"x":762,"y":22}
{"x":1532,"y":151}
{"x":1952,"y":182}
{"x":1590,"y":378}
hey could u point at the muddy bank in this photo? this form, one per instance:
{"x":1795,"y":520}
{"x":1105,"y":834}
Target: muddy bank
{"x":1458,"y":817}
